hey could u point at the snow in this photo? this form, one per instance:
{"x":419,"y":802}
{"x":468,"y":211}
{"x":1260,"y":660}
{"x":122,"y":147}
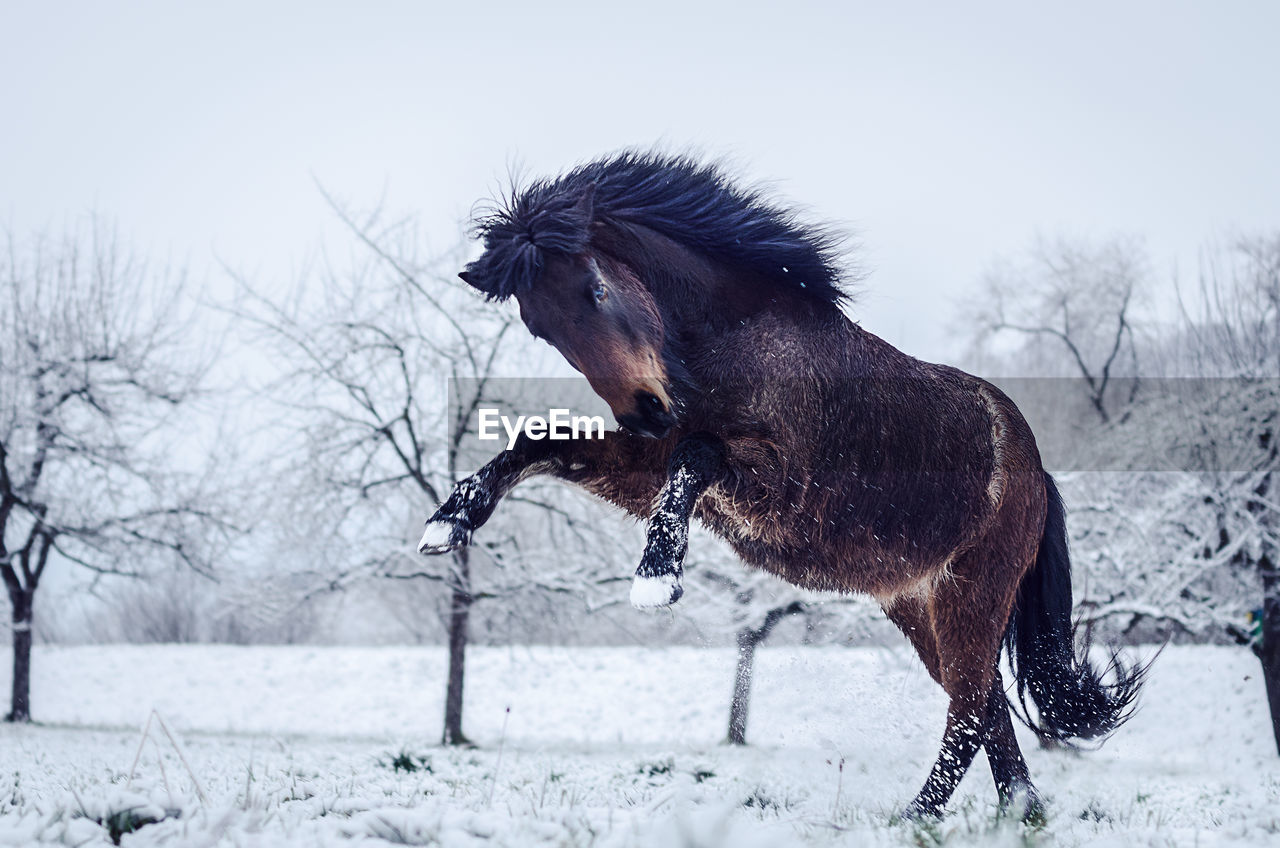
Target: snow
{"x":603,"y":746}
{"x":659,"y":591}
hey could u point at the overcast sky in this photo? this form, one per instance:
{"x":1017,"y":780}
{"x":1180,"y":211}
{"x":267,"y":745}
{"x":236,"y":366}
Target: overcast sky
{"x":945,"y":134}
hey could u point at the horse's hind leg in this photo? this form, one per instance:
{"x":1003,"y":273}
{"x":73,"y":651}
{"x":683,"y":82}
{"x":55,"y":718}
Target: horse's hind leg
{"x":1008,"y":768}
{"x":968,"y":611}
{"x":912,"y":618}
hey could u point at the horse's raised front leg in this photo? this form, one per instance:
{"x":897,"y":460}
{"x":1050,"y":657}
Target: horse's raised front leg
{"x":621,"y":468}
{"x":695,"y":464}
{"x":473,"y":499}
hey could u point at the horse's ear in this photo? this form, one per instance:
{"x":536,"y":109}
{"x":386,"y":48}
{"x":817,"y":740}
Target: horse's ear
{"x":469,"y":277}
{"x":585,"y":207}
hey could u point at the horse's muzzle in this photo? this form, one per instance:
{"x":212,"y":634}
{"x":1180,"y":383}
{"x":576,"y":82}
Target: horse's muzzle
{"x":651,"y":418}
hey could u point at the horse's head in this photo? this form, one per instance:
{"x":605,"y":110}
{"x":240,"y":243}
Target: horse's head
{"x":605,"y":322}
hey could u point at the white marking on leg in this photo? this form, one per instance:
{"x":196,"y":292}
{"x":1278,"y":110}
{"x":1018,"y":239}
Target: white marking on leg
{"x":436,"y":537}
{"x":651,"y":592}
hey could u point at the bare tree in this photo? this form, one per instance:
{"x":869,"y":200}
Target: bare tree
{"x":366,"y":368}
{"x":1077,"y":298}
{"x":95,"y":365}
{"x":1237,"y":335}
{"x":1196,"y":550}
{"x":181,"y":606}
{"x":749,"y":638}
{"x":1231,"y":321}
{"x":727,"y":596}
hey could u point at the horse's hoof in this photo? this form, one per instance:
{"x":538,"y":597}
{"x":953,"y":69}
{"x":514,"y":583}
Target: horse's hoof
{"x":917,"y":812}
{"x":442,"y":536}
{"x":1035,"y":814}
{"x":661,"y":590}
{"x":1025,"y":804}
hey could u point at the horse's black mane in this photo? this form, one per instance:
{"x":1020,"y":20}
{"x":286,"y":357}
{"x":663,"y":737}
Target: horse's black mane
{"x":691,"y":203}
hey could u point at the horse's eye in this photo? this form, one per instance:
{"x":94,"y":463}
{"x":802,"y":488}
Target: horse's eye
{"x":598,"y":293}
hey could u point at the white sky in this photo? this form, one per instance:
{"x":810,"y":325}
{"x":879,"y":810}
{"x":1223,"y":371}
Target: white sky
{"x":946,"y":134}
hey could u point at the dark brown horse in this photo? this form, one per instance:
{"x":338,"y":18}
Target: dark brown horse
{"x":710,"y":321}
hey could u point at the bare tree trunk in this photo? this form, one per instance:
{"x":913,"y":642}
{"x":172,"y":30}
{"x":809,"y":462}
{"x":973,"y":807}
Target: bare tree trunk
{"x":20,"y":700}
{"x":748,"y":640}
{"x":1269,"y":650}
{"x":459,"y":613}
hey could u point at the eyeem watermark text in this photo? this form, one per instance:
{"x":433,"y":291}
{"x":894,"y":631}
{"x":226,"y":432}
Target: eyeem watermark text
{"x":557,"y":424}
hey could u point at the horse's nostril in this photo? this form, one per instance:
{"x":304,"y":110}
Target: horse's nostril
{"x":651,"y":417}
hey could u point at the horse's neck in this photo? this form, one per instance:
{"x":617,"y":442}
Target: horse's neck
{"x":709,"y":295}
{"x":702,"y":300}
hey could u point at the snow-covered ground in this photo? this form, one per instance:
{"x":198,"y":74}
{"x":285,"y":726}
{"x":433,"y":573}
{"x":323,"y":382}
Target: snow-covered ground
{"x":609,"y":747}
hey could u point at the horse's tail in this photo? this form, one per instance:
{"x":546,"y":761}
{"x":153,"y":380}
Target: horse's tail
{"x":1072,"y":701}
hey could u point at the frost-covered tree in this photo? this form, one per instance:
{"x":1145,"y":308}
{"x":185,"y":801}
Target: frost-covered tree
{"x":1171,"y":531}
{"x":1231,"y":320}
{"x":1192,"y":547}
{"x":95,"y":369}
{"x":1204,"y":543}
{"x":1173,"y":507}
{"x":1070,"y":306}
